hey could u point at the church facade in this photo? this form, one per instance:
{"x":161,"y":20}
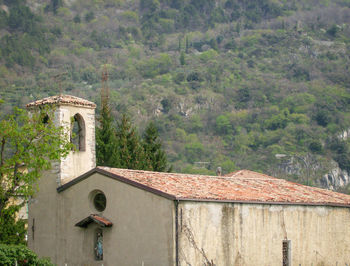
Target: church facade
{"x":88,"y":215}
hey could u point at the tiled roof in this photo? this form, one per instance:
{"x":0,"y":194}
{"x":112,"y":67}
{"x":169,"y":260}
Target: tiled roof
{"x":102,"y":221}
{"x":63,"y":100}
{"x":240,"y":186}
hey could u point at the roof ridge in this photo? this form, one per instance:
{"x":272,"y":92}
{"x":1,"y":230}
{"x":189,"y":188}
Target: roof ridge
{"x":148,"y":171}
{"x":65,"y":99}
{"x":241,"y":188}
{"x":233,"y":174}
{"x":225,"y":177}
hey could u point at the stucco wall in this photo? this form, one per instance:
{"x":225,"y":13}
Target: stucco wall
{"x":77,"y":162}
{"x":42,"y":216}
{"x":252,"y":234}
{"x":142,"y":234}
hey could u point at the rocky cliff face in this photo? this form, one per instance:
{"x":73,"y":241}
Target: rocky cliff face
{"x":335,"y":179}
{"x":312,"y":168}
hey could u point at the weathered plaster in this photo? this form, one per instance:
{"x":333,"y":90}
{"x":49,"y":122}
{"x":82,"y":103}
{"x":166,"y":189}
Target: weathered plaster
{"x":252,"y":234}
{"x":142,"y":231}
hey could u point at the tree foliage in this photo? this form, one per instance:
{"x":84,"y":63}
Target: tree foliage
{"x":12,"y":229}
{"x":28,"y":145}
{"x":155,"y":157}
{"x":131,"y":155}
{"x":20,"y":255}
{"x":106,"y":141}
{"x":122,"y":147}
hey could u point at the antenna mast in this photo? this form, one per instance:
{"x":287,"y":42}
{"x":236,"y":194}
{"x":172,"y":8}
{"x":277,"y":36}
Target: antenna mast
{"x":104,"y":88}
{"x":59,"y":78}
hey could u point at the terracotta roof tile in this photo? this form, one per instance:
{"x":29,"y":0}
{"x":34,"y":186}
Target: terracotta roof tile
{"x":96,"y":219}
{"x":241,"y":186}
{"x":63,"y":100}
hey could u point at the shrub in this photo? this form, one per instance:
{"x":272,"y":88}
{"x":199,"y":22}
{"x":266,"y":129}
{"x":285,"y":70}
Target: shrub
{"x":179,"y":77}
{"x":131,"y":16}
{"x":12,"y":231}
{"x":316,"y":146}
{"x":152,"y":67}
{"x":208,"y":55}
{"x":20,"y":255}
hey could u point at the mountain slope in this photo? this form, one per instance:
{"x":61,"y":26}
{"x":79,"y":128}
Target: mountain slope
{"x":229,"y":83}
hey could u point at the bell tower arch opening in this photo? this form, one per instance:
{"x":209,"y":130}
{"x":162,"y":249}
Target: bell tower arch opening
{"x":78,"y":132}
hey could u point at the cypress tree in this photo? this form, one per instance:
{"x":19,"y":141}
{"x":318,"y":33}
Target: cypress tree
{"x":130,"y":151}
{"x":155,"y":157}
{"x":182,"y":58}
{"x":121,"y":147}
{"x":106,"y":141}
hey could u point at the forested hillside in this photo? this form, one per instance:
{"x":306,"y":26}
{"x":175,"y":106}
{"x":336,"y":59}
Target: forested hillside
{"x":228,"y":83}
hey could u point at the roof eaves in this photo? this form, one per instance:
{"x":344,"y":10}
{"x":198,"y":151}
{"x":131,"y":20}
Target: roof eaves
{"x":116,"y":177}
{"x":267,"y":202}
{"x":69,"y":100}
{"x":136,"y":184}
{"x":76,"y":180}
{"x":102,"y":221}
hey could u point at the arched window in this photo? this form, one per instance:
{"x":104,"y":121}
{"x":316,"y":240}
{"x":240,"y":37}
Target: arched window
{"x":78,"y":132}
{"x":45,"y":119}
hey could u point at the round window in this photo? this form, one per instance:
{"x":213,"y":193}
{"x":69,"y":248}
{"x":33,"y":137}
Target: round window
{"x":100,"y":201}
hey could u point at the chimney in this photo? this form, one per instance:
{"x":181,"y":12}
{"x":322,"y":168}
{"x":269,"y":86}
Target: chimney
{"x":218,"y":171}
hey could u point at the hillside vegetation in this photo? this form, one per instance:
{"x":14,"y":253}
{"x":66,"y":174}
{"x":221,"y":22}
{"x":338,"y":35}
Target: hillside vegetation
{"x":228,"y":83}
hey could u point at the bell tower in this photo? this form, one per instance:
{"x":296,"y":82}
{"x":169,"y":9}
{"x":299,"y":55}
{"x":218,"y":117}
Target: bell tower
{"x":77,"y":116}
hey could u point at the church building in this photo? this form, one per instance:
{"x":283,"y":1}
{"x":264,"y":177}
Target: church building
{"x":88,"y":215}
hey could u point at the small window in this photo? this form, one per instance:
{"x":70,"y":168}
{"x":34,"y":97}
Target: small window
{"x":286,"y":253}
{"x":98,"y":247}
{"x":100,"y":201}
{"x":78,"y":132}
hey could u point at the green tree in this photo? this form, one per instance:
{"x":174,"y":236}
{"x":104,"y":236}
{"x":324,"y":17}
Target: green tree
{"x":187,"y":46}
{"x":54,"y":6}
{"x":182,"y":58}
{"x":77,"y":19}
{"x":155,"y":157}
{"x":223,"y":125}
{"x":333,"y":30}
{"x":130,"y":151}
{"x":28,"y":144}
{"x":89,"y":16}
{"x":106,"y":141}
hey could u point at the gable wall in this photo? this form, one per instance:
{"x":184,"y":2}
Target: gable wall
{"x":252,"y":234}
{"x":142,"y":231}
